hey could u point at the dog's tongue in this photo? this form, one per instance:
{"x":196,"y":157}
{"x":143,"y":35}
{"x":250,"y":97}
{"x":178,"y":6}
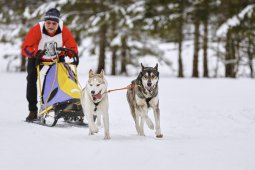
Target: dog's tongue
{"x":149,"y":88}
{"x":97,"y":96}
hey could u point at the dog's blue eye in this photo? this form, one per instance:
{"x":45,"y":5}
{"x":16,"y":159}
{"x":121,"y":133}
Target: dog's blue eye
{"x":90,"y":84}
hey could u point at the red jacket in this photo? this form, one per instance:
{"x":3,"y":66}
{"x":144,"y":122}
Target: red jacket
{"x":31,"y":42}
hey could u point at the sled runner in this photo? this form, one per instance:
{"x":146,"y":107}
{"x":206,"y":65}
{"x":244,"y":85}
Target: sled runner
{"x":60,"y":92}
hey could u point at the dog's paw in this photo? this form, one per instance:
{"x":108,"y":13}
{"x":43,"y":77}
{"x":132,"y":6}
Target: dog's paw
{"x":91,"y":133}
{"x":159,"y":136}
{"x":94,"y":129}
{"x":141,"y":134}
{"x":107,"y":137}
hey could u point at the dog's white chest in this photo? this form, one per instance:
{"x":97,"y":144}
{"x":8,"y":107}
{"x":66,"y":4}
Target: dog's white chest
{"x":140,"y":101}
{"x":154,"y":102}
{"x":101,"y":107}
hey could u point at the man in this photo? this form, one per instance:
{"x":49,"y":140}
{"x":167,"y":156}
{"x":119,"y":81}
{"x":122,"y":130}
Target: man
{"x":51,"y":29}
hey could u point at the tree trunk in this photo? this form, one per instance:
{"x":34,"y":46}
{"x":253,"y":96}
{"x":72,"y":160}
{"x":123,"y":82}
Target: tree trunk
{"x":180,"y":65}
{"x":195,"y":72}
{"x":23,"y":58}
{"x":233,"y":58}
{"x":23,"y":63}
{"x":205,"y":46}
{"x":218,"y":59}
{"x":114,"y":58}
{"x":114,"y":47}
{"x":229,"y":56}
{"x":250,"y":57}
{"x":180,"y":39}
{"x":123,"y":69}
{"x":102,"y":46}
{"x":238,"y":58}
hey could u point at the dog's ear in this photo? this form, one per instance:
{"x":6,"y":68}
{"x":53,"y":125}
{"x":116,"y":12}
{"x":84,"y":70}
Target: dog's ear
{"x":140,"y":75}
{"x":91,"y":73}
{"x":142,"y":66}
{"x":102,"y":73}
{"x":156,"y":67}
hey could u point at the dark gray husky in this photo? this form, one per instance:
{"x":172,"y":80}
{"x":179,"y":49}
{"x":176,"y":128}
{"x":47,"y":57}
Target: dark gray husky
{"x":143,"y":95}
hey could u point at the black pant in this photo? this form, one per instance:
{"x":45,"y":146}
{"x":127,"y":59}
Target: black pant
{"x":31,"y":85}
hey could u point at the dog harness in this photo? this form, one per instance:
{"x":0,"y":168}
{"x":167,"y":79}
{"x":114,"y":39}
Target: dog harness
{"x":141,"y":92}
{"x":96,"y":104}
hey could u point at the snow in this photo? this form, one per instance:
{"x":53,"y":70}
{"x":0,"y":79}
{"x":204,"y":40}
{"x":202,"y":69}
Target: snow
{"x":207,"y":124}
{"x":116,"y":41}
{"x":235,"y":20}
{"x":137,"y":7}
{"x":26,"y":13}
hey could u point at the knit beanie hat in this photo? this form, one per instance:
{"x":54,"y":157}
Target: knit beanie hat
{"x":52,"y":14}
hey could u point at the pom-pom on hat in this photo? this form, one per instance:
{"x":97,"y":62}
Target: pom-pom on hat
{"x":52,"y":14}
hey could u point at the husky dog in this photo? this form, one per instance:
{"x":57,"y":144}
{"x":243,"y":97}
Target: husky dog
{"x":94,"y":100}
{"x":143,"y":95}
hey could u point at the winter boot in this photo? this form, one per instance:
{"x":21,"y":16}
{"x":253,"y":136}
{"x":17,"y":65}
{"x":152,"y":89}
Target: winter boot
{"x":32,"y":116}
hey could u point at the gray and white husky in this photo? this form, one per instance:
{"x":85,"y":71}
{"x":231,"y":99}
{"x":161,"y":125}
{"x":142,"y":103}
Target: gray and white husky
{"x":94,"y":102}
{"x":143,"y":95}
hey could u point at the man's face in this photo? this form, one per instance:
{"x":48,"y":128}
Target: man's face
{"x":51,"y":26}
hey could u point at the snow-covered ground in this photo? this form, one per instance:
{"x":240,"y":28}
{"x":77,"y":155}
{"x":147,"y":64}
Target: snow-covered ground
{"x":208,"y":124}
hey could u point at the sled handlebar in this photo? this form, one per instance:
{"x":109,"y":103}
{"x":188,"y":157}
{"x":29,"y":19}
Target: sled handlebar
{"x":59,"y":49}
{"x":38,"y":56}
{"x":75,"y":55}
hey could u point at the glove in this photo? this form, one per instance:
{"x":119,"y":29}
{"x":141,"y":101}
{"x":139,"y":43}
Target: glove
{"x":70,"y":54}
{"x":39,"y":54}
{"x":61,"y":54}
{"x":67,"y":53}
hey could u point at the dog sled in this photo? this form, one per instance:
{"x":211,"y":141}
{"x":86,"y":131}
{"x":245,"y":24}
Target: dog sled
{"x":59,"y":90}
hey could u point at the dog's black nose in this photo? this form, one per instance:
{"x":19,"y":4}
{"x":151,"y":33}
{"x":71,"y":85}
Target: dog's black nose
{"x":149,"y":84}
{"x":92,"y":92}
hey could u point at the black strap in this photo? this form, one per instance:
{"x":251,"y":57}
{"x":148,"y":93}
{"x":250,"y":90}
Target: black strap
{"x":148,"y":100}
{"x":96,"y":104}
